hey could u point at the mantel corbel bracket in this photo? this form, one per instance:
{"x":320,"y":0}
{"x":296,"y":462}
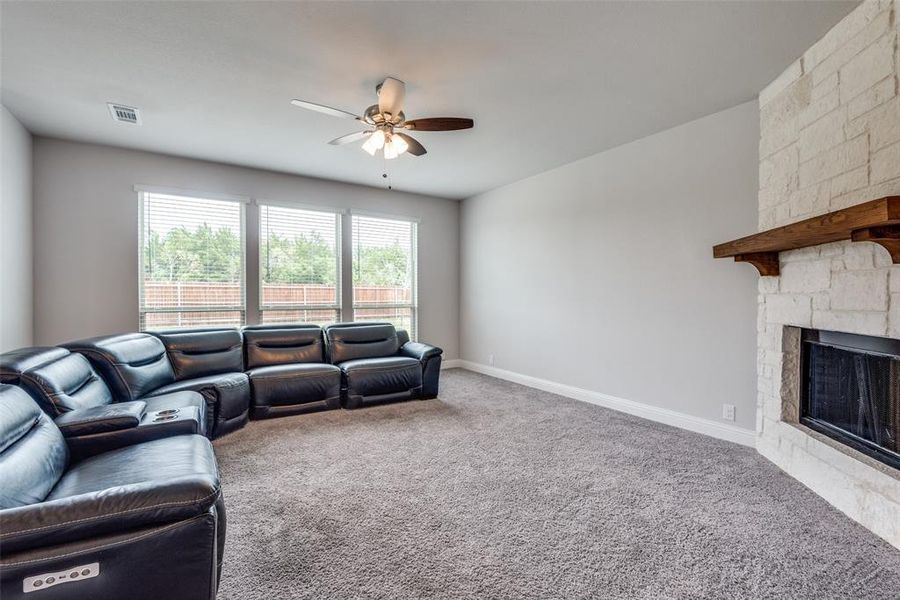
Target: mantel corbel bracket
{"x":884,"y":235}
{"x":765,"y":262}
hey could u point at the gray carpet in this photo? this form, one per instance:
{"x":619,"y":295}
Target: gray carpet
{"x":499,"y":491}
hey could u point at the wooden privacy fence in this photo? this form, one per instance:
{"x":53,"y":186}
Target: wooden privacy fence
{"x":187,"y":294}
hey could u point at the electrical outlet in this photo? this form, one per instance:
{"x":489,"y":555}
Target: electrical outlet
{"x":491,"y":359}
{"x":728,"y":412}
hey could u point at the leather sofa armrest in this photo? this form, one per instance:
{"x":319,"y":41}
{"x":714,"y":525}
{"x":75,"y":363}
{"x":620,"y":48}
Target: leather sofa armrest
{"x":430,"y":358}
{"x":419,"y":351}
{"x":116,"y":509}
{"x":101,"y":419}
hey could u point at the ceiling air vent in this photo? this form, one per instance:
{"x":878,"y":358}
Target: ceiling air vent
{"x":125,"y":114}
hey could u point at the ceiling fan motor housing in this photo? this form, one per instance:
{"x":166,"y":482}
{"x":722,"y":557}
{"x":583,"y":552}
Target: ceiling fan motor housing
{"x":373,"y":116}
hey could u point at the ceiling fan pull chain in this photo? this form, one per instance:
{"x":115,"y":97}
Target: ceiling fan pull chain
{"x":385,"y":174}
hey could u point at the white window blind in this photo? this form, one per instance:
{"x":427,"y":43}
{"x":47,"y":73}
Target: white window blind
{"x":191,"y":261}
{"x":299,"y":265}
{"x":384,"y":271}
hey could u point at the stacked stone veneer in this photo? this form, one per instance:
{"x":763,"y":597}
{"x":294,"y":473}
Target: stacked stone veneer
{"x":830,"y":138}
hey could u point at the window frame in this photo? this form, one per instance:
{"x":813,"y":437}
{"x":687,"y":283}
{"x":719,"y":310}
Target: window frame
{"x":339,"y":214}
{"x":414,"y":277}
{"x":143,"y":191}
{"x":345,"y":306}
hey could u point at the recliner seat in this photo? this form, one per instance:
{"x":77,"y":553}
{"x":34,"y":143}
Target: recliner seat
{"x":157,"y":503}
{"x":379,"y":363}
{"x":211,"y":362}
{"x":61,"y":381}
{"x":141,"y":366}
{"x":68,"y":389}
{"x":133,"y":364}
{"x":287,"y":370}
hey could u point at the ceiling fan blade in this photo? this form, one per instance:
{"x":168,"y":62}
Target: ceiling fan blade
{"x":334,"y":112}
{"x":415,"y":148}
{"x":439,"y":124}
{"x":390,"y":96}
{"x":351,"y":137}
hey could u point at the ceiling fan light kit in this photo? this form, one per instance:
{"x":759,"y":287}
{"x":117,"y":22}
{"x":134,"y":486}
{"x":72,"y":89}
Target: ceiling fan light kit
{"x":375,"y":142}
{"x":385,"y":119}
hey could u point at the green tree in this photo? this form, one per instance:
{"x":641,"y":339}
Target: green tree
{"x":298,"y":260}
{"x":203,"y":254}
{"x":207,"y":254}
{"x":381,"y":266}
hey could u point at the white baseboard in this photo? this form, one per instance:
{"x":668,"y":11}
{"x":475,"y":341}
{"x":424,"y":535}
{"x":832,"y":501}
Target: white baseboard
{"x":724,"y":431}
{"x":453,"y":363}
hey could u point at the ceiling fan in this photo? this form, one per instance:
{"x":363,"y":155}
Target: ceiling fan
{"x":385,"y":119}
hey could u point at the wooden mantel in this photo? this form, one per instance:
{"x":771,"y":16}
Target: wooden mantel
{"x":877,"y":221}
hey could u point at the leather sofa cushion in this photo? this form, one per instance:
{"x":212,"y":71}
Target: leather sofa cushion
{"x":155,"y":482}
{"x":228,"y":392}
{"x":33,"y":454}
{"x":132,"y":364}
{"x":101,"y":419}
{"x":202,"y":352}
{"x":16,"y":362}
{"x":68,"y":383}
{"x":300,"y":383}
{"x":266,"y":345}
{"x":350,"y":341}
{"x":378,"y":376}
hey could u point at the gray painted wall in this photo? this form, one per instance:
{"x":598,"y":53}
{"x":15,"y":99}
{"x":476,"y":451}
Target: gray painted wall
{"x":599,"y":274}
{"x":16,"y":316}
{"x":86,"y":264}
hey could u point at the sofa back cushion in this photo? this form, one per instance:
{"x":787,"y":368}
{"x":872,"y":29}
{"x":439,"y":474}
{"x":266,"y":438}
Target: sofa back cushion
{"x":68,"y":383}
{"x":349,"y":341}
{"x":201,"y":352}
{"x":266,"y":345}
{"x":33,"y":454}
{"x":16,"y":362}
{"x":133,"y":364}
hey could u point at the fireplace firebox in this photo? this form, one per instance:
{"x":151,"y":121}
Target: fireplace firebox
{"x":851,"y":391}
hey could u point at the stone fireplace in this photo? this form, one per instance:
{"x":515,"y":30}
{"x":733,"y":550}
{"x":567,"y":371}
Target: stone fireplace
{"x":830,"y":139}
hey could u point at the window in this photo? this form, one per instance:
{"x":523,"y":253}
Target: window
{"x":191,"y":261}
{"x":314,"y":265}
{"x":299,"y":265}
{"x":384,"y":271}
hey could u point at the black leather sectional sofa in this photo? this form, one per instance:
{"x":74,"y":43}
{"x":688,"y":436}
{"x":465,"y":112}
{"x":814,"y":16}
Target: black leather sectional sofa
{"x":108,"y":481}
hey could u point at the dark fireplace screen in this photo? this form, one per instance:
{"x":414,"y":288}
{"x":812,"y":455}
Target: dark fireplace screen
{"x":851,"y":391}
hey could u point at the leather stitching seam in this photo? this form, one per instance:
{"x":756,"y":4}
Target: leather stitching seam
{"x":111,"y":545}
{"x":121,"y":512}
{"x":49,"y":394}
{"x":115,"y":365}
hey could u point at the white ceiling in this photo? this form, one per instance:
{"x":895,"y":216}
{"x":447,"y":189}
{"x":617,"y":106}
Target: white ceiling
{"x":546,"y":82}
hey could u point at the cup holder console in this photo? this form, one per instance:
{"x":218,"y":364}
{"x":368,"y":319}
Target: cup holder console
{"x":170,"y":414}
